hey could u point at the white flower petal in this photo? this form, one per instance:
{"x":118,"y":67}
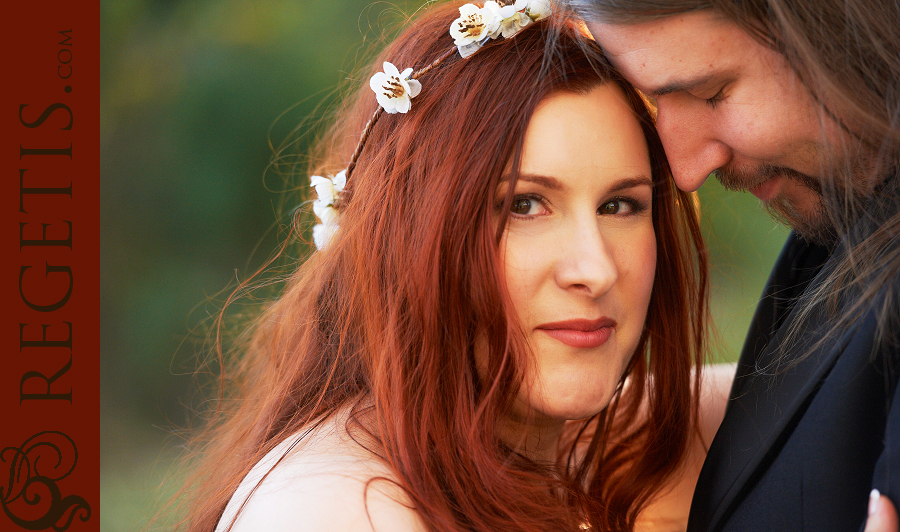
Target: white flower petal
{"x":386,"y":102}
{"x":524,"y":20}
{"x":405,"y":84}
{"x":319,"y":207}
{"x":468,"y":9}
{"x":323,"y":235}
{"x":377,"y":81}
{"x":318,"y":238}
{"x":513,"y":25}
{"x":506,"y":12}
{"x":473,"y":25}
{"x":316,"y":179}
{"x":325,"y":191}
{"x":468,"y":49}
{"x":340,"y":180}
{"x":538,"y":9}
{"x":390,"y":70}
{"x":403,"y":105}
{"x":326,"y":213}
{"x":406,"y":72}
{"x":464,"y":39}
{"x":415,"y":87}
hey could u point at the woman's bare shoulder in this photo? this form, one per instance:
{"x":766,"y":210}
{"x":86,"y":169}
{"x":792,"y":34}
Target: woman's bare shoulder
{"x":714,"y":392}
{"x":669,"y":510}
{"x":324,"y":481}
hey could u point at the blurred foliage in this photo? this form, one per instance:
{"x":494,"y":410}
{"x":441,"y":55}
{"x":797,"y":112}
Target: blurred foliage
{"x":192,"y":95}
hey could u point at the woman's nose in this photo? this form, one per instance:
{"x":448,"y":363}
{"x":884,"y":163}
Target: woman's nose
{"x":587,"y":263}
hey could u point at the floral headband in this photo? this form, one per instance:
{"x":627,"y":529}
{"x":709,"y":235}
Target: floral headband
{"x":394,"y":89}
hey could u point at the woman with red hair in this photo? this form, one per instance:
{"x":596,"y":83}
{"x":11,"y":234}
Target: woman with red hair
{"x":504,"y":328}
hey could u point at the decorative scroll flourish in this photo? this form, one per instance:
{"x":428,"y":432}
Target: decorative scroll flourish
{"x":31,"y":497}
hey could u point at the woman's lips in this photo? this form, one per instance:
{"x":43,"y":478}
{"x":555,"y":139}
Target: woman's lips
{"x":580,"y":333}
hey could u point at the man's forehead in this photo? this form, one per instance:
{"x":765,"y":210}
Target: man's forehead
{"x":664,"y":34}
{"x":666,"y":55}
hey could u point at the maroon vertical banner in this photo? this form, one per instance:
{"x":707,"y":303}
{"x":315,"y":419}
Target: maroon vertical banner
{"x":49,"y":267}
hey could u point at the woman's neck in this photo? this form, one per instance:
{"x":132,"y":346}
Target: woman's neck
{"x":536,"y":436}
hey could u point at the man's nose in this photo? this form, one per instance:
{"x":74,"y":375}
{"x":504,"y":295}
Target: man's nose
{"x":690,"y":142}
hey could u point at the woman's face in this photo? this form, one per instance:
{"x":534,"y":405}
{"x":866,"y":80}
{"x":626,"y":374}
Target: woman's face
{"x":579,"y":251}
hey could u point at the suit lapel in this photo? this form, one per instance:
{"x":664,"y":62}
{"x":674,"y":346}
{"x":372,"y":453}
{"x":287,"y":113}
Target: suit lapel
{"x":766,"y":400}
{"x":756,"y":425}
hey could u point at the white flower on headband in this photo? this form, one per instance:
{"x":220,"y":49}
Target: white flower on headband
{"x":322,"y":235}
{"x":393,"y":89}
{"x":328,"y":190}
{"x":510,"y":16}
{"x":498,"y":18}
{"x":474,"y":26}
{"x":538,"y":9}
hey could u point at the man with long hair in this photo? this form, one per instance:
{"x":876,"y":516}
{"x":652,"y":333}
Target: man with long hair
{"x":798,"y":103}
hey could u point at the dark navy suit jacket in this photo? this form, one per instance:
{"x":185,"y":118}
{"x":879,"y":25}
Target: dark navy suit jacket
{"x":801,"y":446}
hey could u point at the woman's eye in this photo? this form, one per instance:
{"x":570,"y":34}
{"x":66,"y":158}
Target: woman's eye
{"x":615,"y":207}
{"x":524,"y":206}
{"x":521,"y":206}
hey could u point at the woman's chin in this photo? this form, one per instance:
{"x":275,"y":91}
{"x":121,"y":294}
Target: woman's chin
{"x":582,"y":407}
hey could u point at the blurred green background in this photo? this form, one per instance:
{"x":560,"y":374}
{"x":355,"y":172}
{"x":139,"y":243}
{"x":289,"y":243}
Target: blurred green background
{"x":192,"y":94}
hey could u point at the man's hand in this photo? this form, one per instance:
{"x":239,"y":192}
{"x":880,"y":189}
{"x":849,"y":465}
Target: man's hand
{"x":882,"y":514}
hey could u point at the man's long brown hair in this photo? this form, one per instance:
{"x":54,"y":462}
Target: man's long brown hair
{"x":384,"y":323}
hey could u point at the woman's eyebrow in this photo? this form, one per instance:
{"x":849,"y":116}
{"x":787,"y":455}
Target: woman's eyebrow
{"x":548,"y":182}
{"x":552,"y":183}
{"x":630,"y":182}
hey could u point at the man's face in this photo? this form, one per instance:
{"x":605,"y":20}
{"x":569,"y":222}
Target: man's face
{"x":733,"y":107}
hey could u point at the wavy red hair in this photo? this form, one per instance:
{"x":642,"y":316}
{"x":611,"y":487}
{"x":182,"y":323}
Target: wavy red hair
{"x":385,"y":322}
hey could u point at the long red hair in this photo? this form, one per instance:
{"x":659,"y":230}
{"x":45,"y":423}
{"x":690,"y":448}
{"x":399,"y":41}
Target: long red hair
{"x":386,"y":319}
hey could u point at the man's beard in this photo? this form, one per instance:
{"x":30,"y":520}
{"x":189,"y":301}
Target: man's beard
{"x":812,"y":224}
